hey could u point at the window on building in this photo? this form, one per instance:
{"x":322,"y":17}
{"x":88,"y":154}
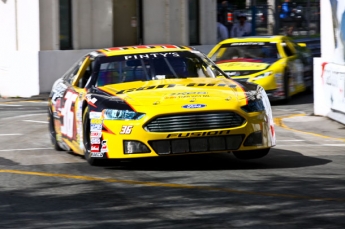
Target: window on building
{"x":65,"y":21}
{"x":193,"y":22}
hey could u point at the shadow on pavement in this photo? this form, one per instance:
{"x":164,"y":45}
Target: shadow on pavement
{"x":67,"y":203}
{"x":276,"y":159}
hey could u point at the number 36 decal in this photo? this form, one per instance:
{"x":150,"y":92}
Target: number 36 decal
{"x":126,"y":130}
{"x":68,"y":114}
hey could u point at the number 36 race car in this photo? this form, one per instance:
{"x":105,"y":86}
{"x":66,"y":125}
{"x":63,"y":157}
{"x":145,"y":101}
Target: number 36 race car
{"x":157,"y":100}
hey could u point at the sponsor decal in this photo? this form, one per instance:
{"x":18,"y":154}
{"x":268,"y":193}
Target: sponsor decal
{"x":182,"y":95}
{"x":126,"y":130}
{"x":104,"y":147}
{"x":193,"y":106}
{"x":96,"y":134}
{"x":96,"y":121}
{"x":190,"y":93}
{"x":247,"y":43}
{"x":96,"y":154}
{"x":95,"y":141}
{"x":94,"y":148}
{"x":151,"y":55}
{"x":95,"y":127}
{"x":58,"y":90}
{"x":198,"y":134}
{"x":95,"y":115}
{"x":175,"y":85}
{"x":90,"y":99}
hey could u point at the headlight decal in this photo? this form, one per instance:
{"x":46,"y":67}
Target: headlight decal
{"x":115,"y":114}
{"x":263,"y":75}
{"x":254,"y":106}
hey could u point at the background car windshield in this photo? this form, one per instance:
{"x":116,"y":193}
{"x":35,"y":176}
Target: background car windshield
{"x":247,"y":50}
{"x":154,"y":66}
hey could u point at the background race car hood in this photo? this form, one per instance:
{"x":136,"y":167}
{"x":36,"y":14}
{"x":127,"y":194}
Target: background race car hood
{"x":177,"y":91}
{"x":245,"y":64}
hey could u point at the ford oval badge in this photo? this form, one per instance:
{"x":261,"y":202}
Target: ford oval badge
{"x":194,"y":106}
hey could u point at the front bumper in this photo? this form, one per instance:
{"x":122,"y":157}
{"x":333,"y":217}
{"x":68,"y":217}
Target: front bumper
{"x":185,"y":142}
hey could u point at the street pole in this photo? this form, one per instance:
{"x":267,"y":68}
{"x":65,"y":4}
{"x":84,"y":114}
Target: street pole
{"x":308,"y":18}
{"x":253,"y":17}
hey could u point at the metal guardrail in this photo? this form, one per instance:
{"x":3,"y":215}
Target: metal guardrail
{"x":313,"y":44}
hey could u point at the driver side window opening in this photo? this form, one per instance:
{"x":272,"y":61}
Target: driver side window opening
{"x":287,"y":50}
{"x":83,"y":80}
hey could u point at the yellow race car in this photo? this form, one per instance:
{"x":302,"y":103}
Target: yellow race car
{"x":282,"y":67}
{"x":157,"y":100}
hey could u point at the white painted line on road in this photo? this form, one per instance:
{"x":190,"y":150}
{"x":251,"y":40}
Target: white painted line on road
{"x":35,"y":121}
{"x":22,"y":116}
{"x":28,"y":149}
{"x":280,"y":109}
{"x":291,"y":140}
{"x":10,"y":105}
{"x":9,"y":134}
{"x":333,"y":144}
{"x":315,"y":145}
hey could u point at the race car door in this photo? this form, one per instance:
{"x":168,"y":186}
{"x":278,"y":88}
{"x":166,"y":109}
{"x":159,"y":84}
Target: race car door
{"x":71,"y":108}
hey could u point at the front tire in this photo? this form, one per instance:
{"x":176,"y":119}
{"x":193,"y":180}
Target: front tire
{"x":251,"y":154}
{"x":52,"y":131}
{"x":86,"y":139}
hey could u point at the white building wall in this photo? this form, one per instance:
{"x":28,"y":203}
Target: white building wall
{"x":165,"y":21}
{"x":92,"y":24}
{"x":7,"y":26}
{"x":19,"y":46}
{"x":49,"y":24}
{"x":207,"y":22}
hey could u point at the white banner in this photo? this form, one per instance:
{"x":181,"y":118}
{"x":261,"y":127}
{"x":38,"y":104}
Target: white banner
{"x":333,"y":81}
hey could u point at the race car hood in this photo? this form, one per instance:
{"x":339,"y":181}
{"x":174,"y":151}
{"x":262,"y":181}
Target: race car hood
{"x":177,"y":91}
{"x":245,"y":64}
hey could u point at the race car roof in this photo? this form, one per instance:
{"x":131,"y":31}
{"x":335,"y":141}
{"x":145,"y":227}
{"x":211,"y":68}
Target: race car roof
{"x":255,"y":39}
{"x":142,"y":49}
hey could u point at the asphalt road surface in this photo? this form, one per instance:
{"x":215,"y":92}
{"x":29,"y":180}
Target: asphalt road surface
{"x":300,"y":184}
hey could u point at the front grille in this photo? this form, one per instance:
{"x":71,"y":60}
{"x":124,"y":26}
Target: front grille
{"x":194,"y":121}
{"x":194,"y":145}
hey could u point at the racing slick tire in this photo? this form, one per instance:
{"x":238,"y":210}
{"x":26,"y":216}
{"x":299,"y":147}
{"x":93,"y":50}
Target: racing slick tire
{"x":287,"y":78}
{"x":86,"y":139}
{"x":52,"y":131}
{"x":251,"y":154}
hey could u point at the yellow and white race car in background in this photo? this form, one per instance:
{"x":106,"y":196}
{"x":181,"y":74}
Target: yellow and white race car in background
{"x":157,"y":100}
{"x":282,"y":67}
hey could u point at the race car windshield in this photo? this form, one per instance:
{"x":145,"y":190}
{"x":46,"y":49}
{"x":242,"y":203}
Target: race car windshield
{"x":155,"y":66}
{"x":263,"y":51}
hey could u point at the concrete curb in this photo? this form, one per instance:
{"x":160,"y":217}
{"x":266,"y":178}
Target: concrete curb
{"x":283,"y":123}
{"x":40,"y":97}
